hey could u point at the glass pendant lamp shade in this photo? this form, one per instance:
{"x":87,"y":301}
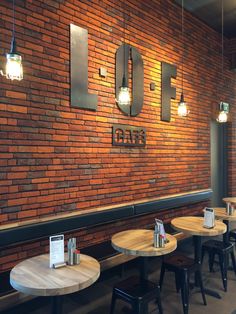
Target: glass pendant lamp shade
{"x":182,"y":107}
{"x":222,"y":117}
{"x":124,"y":94}
{"x":14,"y":69}
{"x":223,"y":112}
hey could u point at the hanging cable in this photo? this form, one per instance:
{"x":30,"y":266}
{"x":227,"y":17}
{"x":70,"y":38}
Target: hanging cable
{"x":182,"y":107}
{"x":224,"y":107}
{"x":13,"y":19}
{"x":182,"y":39}
{"x":222,"y":37}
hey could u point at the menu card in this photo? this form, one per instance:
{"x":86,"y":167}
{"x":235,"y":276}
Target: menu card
{"x":56,"y":249}
{"x":209,"y":218}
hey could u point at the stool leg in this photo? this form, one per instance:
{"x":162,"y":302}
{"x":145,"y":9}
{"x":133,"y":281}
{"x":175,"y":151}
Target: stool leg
{"x":185,"y":292}
{"x":57,"y":303}
{"x":177,"y":281}
{"x":223,"y":269}
{"x":203,"y":254}
{"x":233,"y":261}
{"x":199,"y":274}
{"x":211,"y":260}
{"x":113,"y":301}
{"x":162,"y":275}
{"x":159,"y":301}
{"x":137,"y":308}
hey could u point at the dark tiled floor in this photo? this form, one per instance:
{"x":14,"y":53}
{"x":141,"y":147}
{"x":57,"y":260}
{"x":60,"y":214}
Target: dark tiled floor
{"x":96,"y":299}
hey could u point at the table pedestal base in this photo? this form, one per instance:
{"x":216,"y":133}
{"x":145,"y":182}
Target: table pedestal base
{"x":198,"y":256}
{"x":57,"y":304}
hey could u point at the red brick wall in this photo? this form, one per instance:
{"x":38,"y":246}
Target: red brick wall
{"x":55,"y":158}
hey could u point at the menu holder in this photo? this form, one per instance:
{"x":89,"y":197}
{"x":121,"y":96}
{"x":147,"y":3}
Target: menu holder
{"x":209,"y":218}
{"x":56,"y":247}
{"x":159,"y":234}
{"x":160,"y":227}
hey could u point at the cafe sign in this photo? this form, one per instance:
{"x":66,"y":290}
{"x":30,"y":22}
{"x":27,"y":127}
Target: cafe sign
{"x":126,"y":135}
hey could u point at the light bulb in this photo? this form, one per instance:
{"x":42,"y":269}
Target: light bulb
{"x":182,"y":109}
{"x":222,"y":117}
{"x":124,"y":96}
{"x":14,"y":69}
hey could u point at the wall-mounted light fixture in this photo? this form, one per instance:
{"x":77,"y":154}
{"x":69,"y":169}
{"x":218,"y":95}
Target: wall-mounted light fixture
{"x":224,"y":106}
{"x":124,"y":98}
{"x":223,"y":112}
{"x":14,"y":69}
{"x":182,"y":106}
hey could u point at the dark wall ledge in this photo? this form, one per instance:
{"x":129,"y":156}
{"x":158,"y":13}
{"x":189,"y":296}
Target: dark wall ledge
{"x":37,"y":230}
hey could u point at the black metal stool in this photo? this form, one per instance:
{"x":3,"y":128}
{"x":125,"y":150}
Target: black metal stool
{"x":183,"y":267}
{"x":232,"y":235}
{"x":223,"y":250}
{"x":137,"y":293}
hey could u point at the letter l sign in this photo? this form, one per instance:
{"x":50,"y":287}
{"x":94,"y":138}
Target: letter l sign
{"x":80,"y":98}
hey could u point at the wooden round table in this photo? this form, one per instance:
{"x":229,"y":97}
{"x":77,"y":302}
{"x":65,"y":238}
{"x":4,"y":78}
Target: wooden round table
{"x":194,"y":226}
{"x":229,"y":200}
{"x":140,"y":242}
{"x":220,"y":213}
{"x":34,"y":277}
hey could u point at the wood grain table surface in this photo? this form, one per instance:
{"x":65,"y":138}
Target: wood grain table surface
{"x":34,"y":277}
{"x":229,"y":200}
{"x":194,"y":226}
{"x":220,"y":213}
{"x":140,"y":242}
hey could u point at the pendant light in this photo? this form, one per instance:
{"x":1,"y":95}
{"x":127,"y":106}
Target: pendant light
{"x":124,"y":93}
{"x":182,"y":106}
{"x":223,"y":106}
{"x":14,"y":69}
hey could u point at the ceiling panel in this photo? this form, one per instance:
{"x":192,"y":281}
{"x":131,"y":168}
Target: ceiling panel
{"x":209,"y":11}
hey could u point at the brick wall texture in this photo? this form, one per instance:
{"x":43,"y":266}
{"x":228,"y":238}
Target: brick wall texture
{"x":54,"y":158}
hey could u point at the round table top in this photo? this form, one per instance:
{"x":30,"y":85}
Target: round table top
{"x":140,"y":242}
{"x":194,"y":226}
{"x":220,"y":213}
{"x":229,"y":200}
{"x":34,"y":277}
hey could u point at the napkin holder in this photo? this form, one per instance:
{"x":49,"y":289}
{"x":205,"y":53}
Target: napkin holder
{"x":229,"y":209}
{"x":209,"y":218}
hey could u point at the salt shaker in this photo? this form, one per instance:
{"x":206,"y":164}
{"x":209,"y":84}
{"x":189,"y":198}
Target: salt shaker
{"x":71,"y":248}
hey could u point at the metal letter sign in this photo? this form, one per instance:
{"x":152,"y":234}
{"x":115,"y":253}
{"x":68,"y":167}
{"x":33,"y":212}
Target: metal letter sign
{"x":80,"y":98}
{"x":122,"y":59}
{"x":126,"y":135}
{"x":167,"y":92}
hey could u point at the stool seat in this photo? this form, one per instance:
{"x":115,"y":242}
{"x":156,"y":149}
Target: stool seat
{"x":223,"y":250}
{"x":135,"y":289}
{"x":218,"y":246}
{"x":181,"y":262}
{"x":136,"y":292}
{"x":183,"y":267}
